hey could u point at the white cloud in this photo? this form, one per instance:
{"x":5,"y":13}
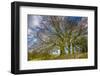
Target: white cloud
{"x":34,"y":21}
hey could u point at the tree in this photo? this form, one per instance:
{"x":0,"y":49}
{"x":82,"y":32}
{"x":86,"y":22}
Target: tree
{"x":62,"y":32}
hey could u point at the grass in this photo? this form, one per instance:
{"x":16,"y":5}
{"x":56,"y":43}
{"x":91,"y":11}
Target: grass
{"x":56,"y":57}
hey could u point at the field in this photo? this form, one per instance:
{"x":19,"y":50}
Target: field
{"x":55,"y":57}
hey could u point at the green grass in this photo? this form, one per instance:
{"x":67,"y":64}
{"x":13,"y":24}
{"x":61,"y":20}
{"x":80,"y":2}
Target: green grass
{"x":56,"y":57}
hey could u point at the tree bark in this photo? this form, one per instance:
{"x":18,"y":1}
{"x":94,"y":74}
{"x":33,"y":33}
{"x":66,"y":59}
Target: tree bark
{"x":69,"y":49}
{"x":72,"y":48}
{"x":62,"y":50}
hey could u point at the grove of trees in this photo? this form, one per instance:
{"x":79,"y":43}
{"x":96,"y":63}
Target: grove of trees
{"x":67,"y":35}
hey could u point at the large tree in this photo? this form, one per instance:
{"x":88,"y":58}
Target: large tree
{"x":62,"y":32}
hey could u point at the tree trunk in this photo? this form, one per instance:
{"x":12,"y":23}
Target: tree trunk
{"x":62,"y":50}
{"x":69,"y":49}
{"x":72,"y":48}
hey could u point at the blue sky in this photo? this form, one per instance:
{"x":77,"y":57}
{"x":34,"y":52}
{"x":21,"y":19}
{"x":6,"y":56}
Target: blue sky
{"x":74,"y":18}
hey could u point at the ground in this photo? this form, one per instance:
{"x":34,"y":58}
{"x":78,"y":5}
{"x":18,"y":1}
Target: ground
{"x":56,"y":57}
